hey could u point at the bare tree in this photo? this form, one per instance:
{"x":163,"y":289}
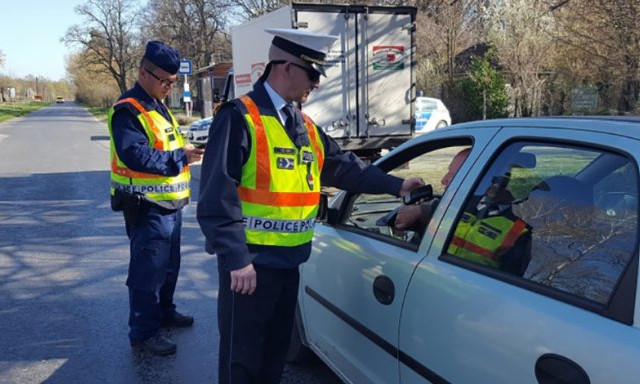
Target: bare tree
{"x":446,"y":28}
{"x":92,"y":86}
{"x":250,"y":9}
{"x":196,"y":27}
{"x":605,"y":39}
{"x":109,"y":34}
{"x":521,"y":31}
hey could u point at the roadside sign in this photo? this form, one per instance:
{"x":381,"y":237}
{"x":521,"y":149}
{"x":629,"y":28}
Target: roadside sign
{"x":584,"y":97}
{"x":185,"y":67}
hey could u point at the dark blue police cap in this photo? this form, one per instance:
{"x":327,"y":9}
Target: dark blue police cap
{"x":163,"y":56}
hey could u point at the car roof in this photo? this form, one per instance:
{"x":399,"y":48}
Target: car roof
{"x":621,"y":125}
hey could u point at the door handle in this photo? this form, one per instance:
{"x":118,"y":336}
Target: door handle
{"x":383,"y":289}
{"x":556,"y":369}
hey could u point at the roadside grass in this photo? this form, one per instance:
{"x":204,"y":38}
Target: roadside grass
{"x":100,"y":113}
{"x":10,"y":111}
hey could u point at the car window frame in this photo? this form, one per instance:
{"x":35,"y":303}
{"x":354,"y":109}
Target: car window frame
{"x":621,"y":305}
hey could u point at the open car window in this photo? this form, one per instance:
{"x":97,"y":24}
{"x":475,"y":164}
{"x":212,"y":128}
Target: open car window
{"x":368,"y":213}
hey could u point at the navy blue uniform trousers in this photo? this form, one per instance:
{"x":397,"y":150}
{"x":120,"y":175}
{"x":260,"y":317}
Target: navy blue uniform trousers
{"x":154,"y":264}
{"x":255,"y":330}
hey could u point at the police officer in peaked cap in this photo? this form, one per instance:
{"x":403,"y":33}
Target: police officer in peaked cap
{"x":150,"y":185}
{"x":259,"y":194}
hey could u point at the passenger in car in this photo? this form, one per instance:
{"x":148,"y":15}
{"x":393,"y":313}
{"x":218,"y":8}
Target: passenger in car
{"x":489,"y":233}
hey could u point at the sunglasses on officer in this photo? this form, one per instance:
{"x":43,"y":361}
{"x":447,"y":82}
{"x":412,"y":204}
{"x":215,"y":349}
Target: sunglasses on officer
{"x":312,"y":74}
{"x":164,"y":82}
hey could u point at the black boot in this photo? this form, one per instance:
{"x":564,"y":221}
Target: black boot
{"x":177,"y":320}
{"x":157,"y":345}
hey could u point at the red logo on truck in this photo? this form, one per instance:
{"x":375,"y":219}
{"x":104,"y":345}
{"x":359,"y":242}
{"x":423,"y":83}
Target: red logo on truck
{"x":388,"y":57}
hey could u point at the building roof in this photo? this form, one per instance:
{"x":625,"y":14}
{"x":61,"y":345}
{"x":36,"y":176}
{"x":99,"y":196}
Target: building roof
{"x":218,"y":70}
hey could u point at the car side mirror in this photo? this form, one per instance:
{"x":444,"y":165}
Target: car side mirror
{"x":323,"y":206}
{"x":327,"y":214}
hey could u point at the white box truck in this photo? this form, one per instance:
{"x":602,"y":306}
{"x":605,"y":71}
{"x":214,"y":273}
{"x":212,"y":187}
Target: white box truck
{"x":366,"y":101}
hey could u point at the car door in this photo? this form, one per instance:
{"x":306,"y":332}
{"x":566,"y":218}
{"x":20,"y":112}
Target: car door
{"x":353,"y":285}
{"x":570,"y":317}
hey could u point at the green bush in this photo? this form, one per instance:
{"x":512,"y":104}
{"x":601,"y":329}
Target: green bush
{"x":484,"y":84}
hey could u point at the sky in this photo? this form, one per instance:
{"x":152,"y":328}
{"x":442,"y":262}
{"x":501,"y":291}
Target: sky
{"x":30,"y":36}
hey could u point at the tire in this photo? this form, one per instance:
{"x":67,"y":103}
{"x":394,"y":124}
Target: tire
{"x":298,"y":351}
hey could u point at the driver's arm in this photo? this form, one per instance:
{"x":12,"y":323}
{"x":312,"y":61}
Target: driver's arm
{"x":415,"y":217}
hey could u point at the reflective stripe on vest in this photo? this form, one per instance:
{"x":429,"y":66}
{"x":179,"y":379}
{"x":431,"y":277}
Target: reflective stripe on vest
{"x":159,"y":132}
{"x":485,"y":240}
{"x":286,"y":226}
{"x":280,"y":186}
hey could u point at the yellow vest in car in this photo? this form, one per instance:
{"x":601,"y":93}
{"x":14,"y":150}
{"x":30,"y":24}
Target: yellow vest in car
{"x":485,"y":240}
{"x":280,"y":186}
{"x":164,"y":136}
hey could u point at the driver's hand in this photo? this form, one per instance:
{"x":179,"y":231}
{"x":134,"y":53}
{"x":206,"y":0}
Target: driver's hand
{"x":407,"y":216}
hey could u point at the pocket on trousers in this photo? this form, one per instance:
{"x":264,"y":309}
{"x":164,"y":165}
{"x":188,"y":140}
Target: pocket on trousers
{"x":148,"y":266}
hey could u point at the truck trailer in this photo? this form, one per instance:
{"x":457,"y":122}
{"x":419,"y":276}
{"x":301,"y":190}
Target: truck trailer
{"x":366,"y":101}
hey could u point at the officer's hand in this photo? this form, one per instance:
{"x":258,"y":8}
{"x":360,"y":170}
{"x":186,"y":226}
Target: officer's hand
{"x":410,"y":184}
{"x":193,"y":154}
{"x":244,"y":280}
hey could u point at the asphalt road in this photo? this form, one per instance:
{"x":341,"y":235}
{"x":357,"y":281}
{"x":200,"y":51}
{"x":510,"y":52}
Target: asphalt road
{"x":63,"y":263}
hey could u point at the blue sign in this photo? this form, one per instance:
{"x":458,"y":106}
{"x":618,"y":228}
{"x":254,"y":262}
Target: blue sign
{"x":185,"y":67}
{"x":186,"y":94}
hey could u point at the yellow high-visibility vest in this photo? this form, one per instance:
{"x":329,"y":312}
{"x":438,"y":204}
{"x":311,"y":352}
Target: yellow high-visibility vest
{"x":280,"y":186}
{"x":162,"y":135}
{"x":485,"y":240}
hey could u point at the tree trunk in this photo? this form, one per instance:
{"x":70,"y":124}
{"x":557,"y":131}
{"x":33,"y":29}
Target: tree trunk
{"x":122,"y":83}
{"x":484,"y":103}
{"x":630,"y":86}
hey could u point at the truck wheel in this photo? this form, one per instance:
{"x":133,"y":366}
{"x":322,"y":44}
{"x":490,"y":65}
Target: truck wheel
{"x":298,"y":351}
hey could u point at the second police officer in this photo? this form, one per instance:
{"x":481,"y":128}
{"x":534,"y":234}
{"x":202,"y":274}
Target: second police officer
{"x":259,"y":195}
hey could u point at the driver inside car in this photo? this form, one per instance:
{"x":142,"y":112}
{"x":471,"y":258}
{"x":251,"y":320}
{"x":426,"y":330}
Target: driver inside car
{"x":415,"y":217}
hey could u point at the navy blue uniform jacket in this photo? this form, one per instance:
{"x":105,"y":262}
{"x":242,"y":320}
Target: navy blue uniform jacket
{"x":219,"y":210}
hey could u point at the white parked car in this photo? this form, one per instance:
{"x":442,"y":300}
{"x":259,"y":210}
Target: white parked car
{"x":380,"y":305}
{"x":430,"y":114}
{"x":199,"y":132}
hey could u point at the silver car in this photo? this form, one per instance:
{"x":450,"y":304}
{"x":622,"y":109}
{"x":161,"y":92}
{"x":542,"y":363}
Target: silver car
{"x":199,"y":132}
{"x":383,"y":305}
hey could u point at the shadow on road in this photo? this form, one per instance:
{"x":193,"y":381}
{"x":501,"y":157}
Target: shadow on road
{"x":63,"y":302}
